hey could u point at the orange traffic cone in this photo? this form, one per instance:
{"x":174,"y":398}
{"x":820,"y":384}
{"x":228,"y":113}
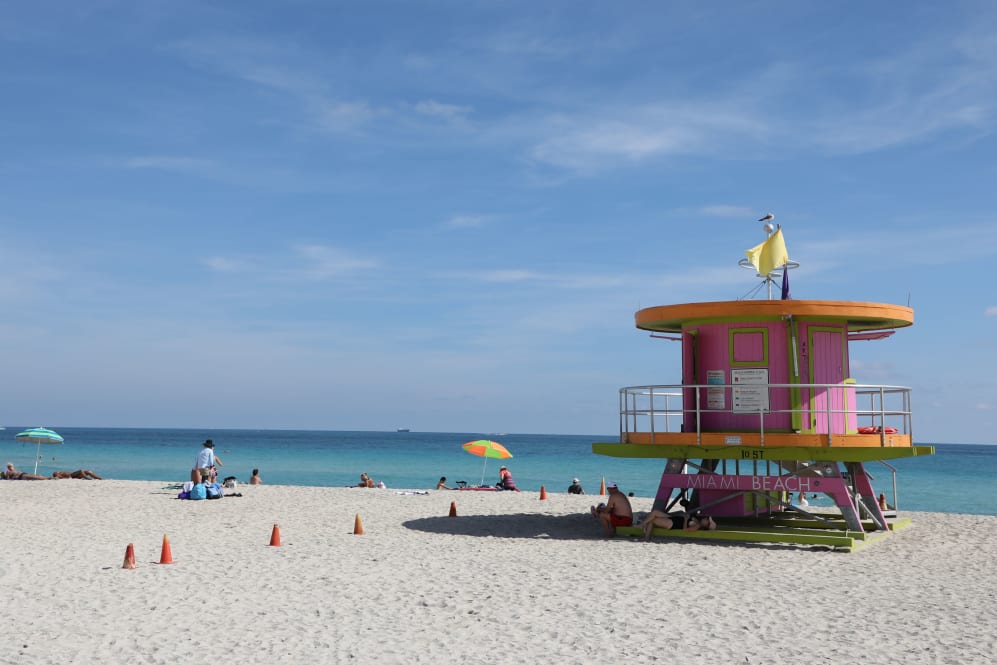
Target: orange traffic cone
{"x":602,"y":487}
{"x":453,"y":509}
{"x":167,"y":555}
{"x":543,"y":493}
{"x":357,"y":526}
{"x":275,"y":536}
{"x":129,"y":557}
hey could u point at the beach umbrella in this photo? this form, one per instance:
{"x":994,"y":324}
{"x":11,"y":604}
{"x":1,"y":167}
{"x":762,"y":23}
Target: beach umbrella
{"x":485,"y":448}
{"x":38,"y":435}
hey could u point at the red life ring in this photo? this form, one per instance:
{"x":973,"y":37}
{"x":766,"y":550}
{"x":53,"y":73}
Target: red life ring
{"x":878,"y":430}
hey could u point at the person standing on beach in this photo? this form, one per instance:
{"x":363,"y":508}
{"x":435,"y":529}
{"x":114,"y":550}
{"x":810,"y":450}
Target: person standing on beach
{"x":575,"y":487}
{"x":616,"y":512}
{"x":205,"y":460}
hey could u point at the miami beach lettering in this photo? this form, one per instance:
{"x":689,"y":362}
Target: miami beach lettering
{"x":761,"y":483}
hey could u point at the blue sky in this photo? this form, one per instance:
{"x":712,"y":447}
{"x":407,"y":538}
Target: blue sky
{"x":443,"y":215}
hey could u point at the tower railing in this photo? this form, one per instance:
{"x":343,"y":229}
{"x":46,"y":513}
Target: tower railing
{"x":663,"y":409}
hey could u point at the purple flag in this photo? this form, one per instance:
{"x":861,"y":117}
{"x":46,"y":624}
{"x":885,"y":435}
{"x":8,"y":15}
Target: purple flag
{"x":785,"y":283}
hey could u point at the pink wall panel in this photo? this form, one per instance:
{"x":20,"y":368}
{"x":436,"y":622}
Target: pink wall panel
{"x":713,"y":347}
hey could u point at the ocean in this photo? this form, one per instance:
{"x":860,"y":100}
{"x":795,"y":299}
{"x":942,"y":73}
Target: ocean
{"x":958,"y":478}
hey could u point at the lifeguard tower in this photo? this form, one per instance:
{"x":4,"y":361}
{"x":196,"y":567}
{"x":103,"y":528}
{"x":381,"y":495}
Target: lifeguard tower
{"x":767,"y":410}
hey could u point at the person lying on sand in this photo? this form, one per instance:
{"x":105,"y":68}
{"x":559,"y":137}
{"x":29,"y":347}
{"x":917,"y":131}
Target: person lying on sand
{"x":13,"y":474}
{"x":84,"y":474}
{"x":683,"y":521}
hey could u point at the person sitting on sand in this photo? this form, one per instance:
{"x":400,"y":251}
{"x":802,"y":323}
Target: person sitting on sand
{"x":13,"y":474}
{"x":678,"y":520}
{"x":255,"y":478}
{"x":505,"y":480}
{"x":575,"y":487}
{"x":365,"y":481}
{"x":442,"y":485}
{"x":83,"y":474}
{"x":615,"y":512}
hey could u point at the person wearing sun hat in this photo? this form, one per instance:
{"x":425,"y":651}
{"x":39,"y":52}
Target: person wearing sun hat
{"x":616,"y":511}
{"x":205,"y":460}
{"x":575,"y":487}
{"x":505,"y":480}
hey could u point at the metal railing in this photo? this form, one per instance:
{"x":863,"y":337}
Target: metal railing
{"x":662,"y":408}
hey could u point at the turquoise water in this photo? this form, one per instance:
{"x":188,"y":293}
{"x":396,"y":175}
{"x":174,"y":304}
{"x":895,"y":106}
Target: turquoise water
{"x":957,"y":478}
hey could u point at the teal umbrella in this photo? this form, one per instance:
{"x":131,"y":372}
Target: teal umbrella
{"x":38,"y":435}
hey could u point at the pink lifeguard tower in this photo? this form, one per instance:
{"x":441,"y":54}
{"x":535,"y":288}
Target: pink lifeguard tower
{"x":767,"y":409}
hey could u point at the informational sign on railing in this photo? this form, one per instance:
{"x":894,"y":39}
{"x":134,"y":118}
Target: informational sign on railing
{"x":715,"y":397}
{"x":750,"y":392}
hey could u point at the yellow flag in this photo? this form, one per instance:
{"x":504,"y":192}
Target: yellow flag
{"x":769,"y":255}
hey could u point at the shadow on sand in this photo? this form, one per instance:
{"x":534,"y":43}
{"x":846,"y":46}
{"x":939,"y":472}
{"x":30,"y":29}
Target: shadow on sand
{"x":522,"y":525}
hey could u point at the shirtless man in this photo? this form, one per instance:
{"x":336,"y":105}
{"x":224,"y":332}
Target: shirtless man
{"x":616,"y":512}
{"x":13,"y":474}
{"x":85,"y":474}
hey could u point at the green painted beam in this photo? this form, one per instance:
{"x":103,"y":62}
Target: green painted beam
{"x":751,"y":453}
{"x":847,"y":542}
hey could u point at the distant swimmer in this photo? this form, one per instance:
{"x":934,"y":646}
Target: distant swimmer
{"x":767,"y":218}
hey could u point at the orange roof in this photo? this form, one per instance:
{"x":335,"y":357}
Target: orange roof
{"x":858,"y":315}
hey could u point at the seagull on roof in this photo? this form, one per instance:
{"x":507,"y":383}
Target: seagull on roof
{"x":767,"y":218}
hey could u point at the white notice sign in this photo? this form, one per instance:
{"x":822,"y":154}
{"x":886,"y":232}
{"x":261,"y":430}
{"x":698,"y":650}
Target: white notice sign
{"x":715,"y":397}
{"x":751,"y":389}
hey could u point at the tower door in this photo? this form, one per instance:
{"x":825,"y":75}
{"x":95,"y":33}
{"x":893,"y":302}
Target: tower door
{"x":827,"y":358}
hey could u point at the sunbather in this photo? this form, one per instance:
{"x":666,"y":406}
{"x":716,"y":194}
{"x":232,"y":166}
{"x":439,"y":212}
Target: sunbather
{"x":85,"y":474}
{"x":677,"y":520}
{"x":13,"y":474}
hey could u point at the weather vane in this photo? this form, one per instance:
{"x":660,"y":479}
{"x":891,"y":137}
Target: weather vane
{"x":770,"y":259}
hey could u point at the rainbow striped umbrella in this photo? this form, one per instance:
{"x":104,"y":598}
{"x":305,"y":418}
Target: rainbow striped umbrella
{"x":38,"y":435}
{"x":485,"y":448}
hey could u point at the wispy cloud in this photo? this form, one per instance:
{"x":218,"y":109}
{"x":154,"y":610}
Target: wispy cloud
{"x":322,"y":262}
{"x":166,"y":163}
{"x":310,"y":262}
{"x":727,"y":211}
{"x":435,"y":109}
{"x":467,"y":221}
{"x":990,"y":311}
{"x":625,"y":136}
{"x":224,"y":264}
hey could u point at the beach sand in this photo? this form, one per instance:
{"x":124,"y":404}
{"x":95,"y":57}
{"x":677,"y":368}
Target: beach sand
{"x":511,"y":578}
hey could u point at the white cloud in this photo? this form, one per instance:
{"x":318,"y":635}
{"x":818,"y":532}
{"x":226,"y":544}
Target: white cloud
{"x":225,"y":264}
{"x":319,"y":262}
{"x":727,"y":211}
{"x":338,"y":116}
{"x":438,"y":110}
{"x":616,"y":136}
{"x":161,"y":162}
{"x":467,"y":221}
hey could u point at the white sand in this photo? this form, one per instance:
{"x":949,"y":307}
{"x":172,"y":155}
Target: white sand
{"x":511,"y":578}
